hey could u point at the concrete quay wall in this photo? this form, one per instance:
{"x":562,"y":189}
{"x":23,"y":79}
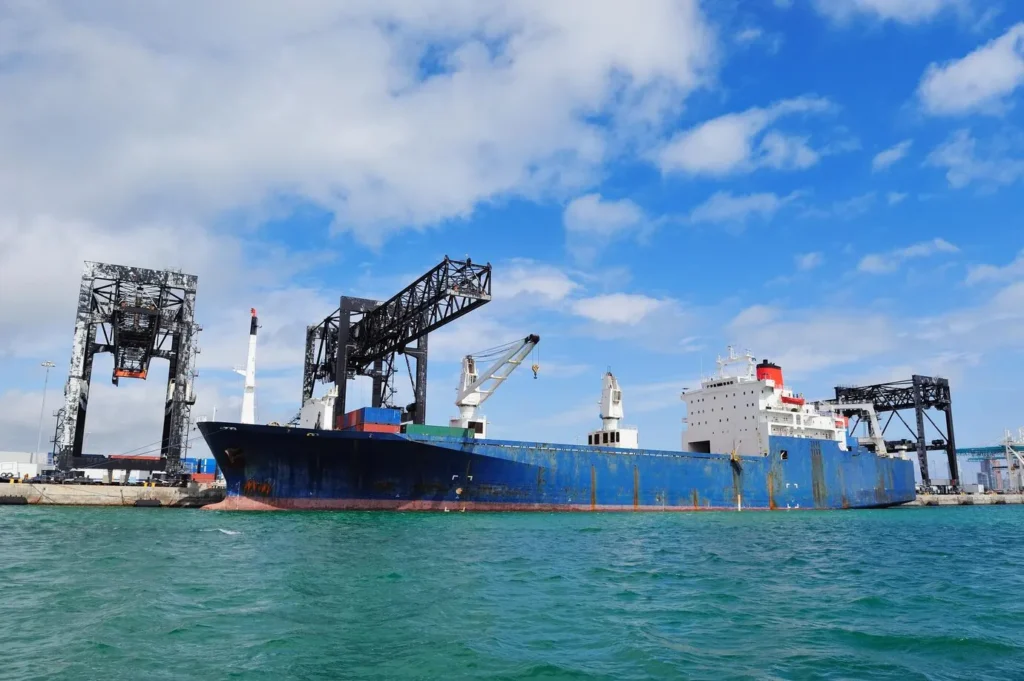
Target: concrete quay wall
{"x":192,"y":496}
{"x":966,"y":499}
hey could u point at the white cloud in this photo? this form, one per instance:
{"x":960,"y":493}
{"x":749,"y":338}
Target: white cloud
{"x":895,"y":197}
{"x":803,"y":341}
{"x":235,"y":104}
{"x":725,"y":207}
{"x":735,"y":142}
{"x":882,"y":263}
{"x":958,"y":156}
{"x":884,"y":159}
{"x":845,"y":209}
{"x":809,"y":261}
{"x":755,"y":315}
{"x":994,"y":273}
{"x":592,"y":223}
{"x":593,"y":215}
{"x":748,"y":35}
{"x":980,"y":82}
{"x":616,"y":308}
{"x":532,"y":280}
{"x":902,"y":11}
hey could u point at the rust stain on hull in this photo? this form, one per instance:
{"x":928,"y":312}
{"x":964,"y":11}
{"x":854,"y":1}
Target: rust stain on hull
{"x":818,"y":487}
{"x":593,"y":487}
{"x":636,"y":487}
{"x":737,"y":473}
{"x":842,"y":485}
{"x":771,"y":491}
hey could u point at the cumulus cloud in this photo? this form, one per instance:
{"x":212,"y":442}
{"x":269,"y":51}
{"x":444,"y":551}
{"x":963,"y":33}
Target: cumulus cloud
{"x":616,"y":308}
{"x":980,"y":82}
{"x":884,"y":159}
{"x":959,"y":156}
{"x":532,"y":280}
{"x":725,"y":208}
{"x":808,"y":261}
{"x":386,"y":113}
{"x":902,"y":11}
{"x":591,"y":214}
{"x":742,"y":142}
{"x":1013,"y":271}
{"x":592,"y":222}
{"x":883,"y":263}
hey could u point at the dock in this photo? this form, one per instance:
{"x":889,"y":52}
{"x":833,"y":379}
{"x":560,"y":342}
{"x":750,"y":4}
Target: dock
{"x":966,"y":499}
{"x":192,"y":496}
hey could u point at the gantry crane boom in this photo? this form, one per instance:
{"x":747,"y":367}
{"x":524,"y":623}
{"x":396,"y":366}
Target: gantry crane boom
{"x":363,"y":337}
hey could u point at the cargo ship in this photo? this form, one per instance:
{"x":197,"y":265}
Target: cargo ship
{"x":749,"y":443}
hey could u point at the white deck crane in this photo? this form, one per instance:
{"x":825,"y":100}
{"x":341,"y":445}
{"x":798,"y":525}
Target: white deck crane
{"x":612,"y":434}
{"x":475,"y":387}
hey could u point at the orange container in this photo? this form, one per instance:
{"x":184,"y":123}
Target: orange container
{"x":203,"y":477}
{"x":376,"y":428}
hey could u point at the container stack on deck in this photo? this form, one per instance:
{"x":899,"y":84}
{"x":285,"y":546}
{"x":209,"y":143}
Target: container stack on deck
{"x":436,"y":431}
{"x":372,"y":420}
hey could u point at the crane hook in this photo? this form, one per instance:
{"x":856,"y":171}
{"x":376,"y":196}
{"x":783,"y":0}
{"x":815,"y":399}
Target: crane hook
{"x":535,"y":368}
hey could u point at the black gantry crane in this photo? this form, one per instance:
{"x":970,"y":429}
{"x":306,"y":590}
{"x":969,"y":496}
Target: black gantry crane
{"x":920,"y":393}
{"x":364,"y":337}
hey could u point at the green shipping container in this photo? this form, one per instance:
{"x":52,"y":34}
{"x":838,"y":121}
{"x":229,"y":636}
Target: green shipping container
{"x":436,"y":431}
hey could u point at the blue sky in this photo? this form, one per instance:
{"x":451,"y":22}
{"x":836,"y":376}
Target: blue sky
{"x":834,"y":185}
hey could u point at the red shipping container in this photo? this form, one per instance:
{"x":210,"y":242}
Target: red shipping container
{"x":376,"y":428}
{"x":203,"y":477}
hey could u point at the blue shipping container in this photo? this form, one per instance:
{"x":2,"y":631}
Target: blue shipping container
{"x":390,"y":417}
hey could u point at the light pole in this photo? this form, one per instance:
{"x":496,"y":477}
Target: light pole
{"x":42,"y":409}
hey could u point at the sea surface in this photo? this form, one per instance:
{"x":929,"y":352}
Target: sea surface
{"x":112,"y":593}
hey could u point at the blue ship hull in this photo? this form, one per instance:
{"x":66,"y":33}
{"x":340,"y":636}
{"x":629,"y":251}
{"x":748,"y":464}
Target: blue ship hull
{"x":276,"y":467}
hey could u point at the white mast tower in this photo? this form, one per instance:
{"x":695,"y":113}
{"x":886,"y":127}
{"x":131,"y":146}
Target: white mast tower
{"x":249,"y":396}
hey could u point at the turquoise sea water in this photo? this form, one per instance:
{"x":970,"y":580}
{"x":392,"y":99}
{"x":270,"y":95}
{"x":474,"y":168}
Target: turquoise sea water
{"x":932,"y":593}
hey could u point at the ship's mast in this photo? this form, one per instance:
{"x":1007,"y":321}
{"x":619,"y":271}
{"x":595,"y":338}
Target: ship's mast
{"x":249,"y":395}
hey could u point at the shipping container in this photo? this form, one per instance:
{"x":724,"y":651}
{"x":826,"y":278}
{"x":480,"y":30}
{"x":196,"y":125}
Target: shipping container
{"x":391,"y":417}
{"x":203,"y":477}
{"x":436,"y":431}
{"x":374,"y":428}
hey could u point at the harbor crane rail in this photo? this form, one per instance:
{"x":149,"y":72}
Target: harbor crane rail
{"x":364,"y":337}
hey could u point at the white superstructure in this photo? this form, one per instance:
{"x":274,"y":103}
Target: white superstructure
{"x":612,"y":434}
{"x":738,"y":410}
